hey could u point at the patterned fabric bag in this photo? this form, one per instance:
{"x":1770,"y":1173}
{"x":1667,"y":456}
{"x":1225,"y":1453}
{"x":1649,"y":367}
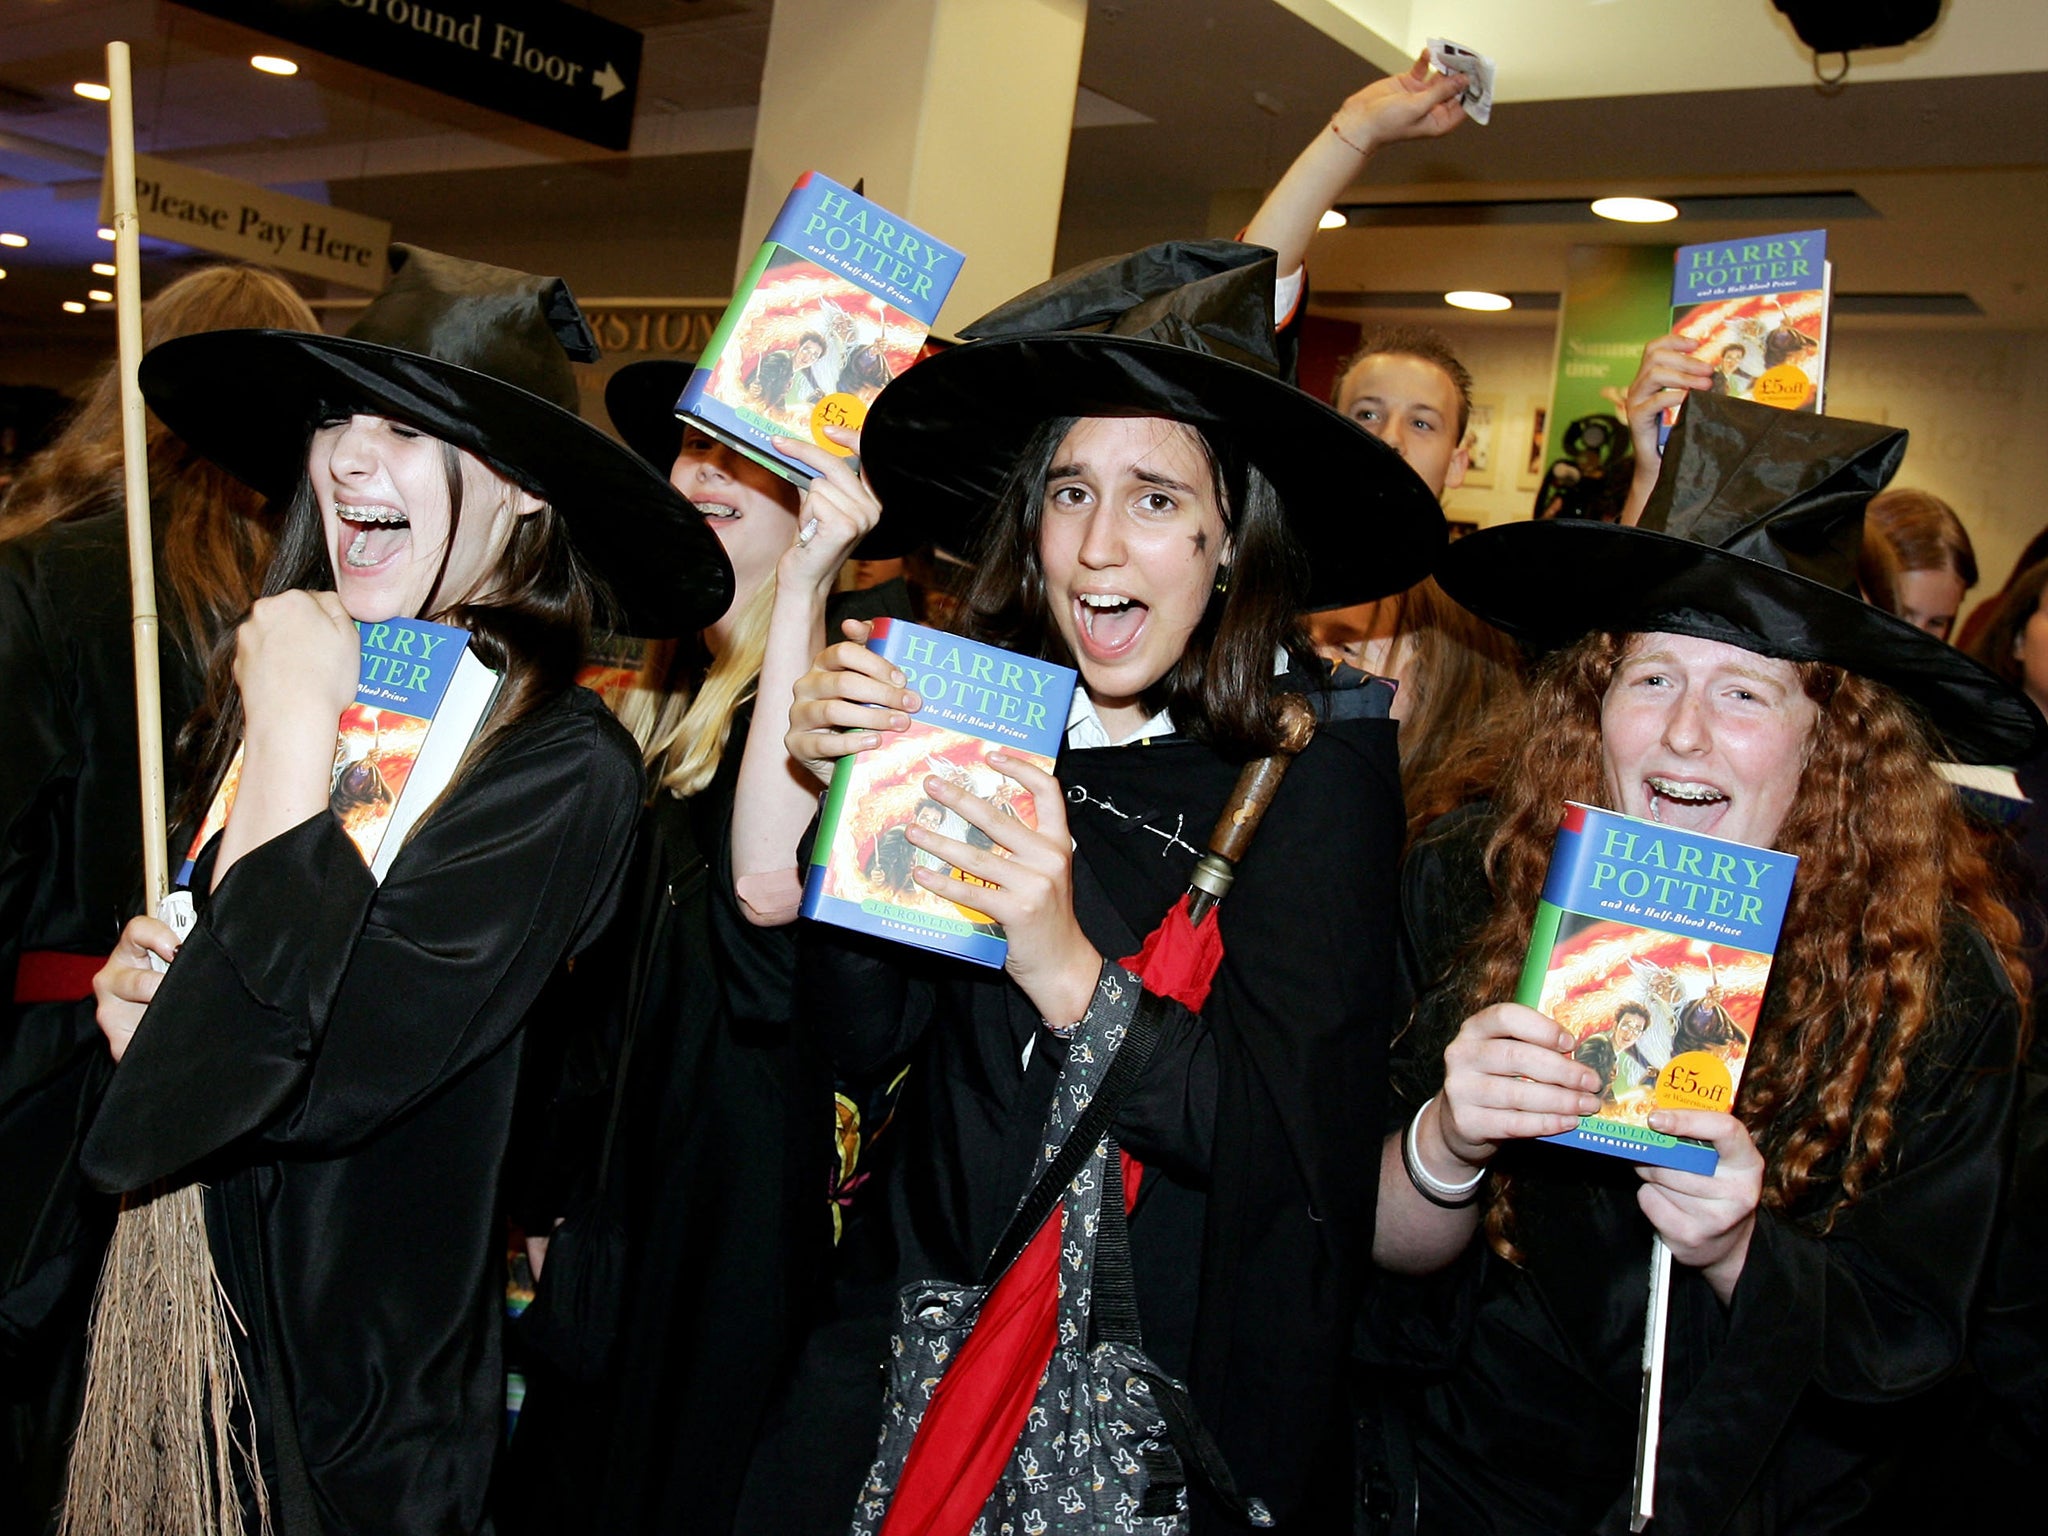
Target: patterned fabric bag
{"x":1110,"y":1440}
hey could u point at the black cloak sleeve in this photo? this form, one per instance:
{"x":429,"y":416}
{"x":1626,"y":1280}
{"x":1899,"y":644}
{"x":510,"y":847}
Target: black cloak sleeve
{"x":310,"y":1006}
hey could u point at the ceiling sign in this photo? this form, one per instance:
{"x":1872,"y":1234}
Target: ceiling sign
{"x":538,"y":60}
{"x":235,"y":218}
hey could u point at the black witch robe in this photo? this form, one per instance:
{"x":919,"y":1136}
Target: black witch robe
{"x":70,"y":870}
{"x":1254,"y":1221}
{"x":337,"y":1061}
{"x":720,"y":1171}
{"x":1512,"y":1392}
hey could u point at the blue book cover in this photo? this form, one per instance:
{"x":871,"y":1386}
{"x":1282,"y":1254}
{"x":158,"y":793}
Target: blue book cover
{"x":836,"y":304}
{"x":420,"y":697}
{"x":976,"y":698}
{"x":1653,"y":946}
{"x":1756,"y":311}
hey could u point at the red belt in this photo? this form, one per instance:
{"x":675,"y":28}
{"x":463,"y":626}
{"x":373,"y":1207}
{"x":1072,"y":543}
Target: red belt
{"x":51,"y":976}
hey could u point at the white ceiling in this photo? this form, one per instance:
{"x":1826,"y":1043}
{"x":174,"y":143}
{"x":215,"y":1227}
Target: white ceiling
{"x":1560,"y":50}
{"x":1192,"y":107}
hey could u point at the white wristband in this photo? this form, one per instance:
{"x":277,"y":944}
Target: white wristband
{"x":1427,"y":1184}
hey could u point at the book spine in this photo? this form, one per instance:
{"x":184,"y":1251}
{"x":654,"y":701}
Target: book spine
{"x":1529,"y":993}
{"x":700,"y":377}
{"x":828,"y":830}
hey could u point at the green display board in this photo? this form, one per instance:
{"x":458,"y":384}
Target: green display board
{"x":1617,"y":300}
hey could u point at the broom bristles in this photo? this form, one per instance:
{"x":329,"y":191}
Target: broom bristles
{"x":156,"y":1447}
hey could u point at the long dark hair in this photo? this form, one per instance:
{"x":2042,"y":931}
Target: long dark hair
{"x":1220,"y":691}
{"x":1998,"y":646}
{"x":534,"y":630}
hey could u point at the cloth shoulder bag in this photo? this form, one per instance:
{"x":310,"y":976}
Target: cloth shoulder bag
{"x":1110,"y":1441}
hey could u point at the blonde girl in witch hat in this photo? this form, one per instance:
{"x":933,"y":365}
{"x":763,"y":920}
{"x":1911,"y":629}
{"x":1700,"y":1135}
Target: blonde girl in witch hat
{"x":335,"y":1059}
{"x":1715,"y":670}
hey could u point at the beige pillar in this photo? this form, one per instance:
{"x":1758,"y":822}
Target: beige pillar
{"x":956,"y":113}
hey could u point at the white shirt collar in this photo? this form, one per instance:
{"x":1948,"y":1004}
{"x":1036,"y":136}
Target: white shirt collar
{"x":1086,"y":730}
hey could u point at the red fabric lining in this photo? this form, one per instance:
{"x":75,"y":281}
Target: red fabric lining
{"x":51,"y":976}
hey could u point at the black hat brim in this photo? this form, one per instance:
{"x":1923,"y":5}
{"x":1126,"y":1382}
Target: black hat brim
{"x":247,"y":399}
{"x":1549,"y":583}
{"x":641,"y":400}
{"x":941,"y":442}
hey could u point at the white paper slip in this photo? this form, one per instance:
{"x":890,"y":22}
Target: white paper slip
{"x":1456,"y":59}
{"x":176,"y":910}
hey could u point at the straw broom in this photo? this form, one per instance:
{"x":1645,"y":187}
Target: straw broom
{"x":156,"y":1448}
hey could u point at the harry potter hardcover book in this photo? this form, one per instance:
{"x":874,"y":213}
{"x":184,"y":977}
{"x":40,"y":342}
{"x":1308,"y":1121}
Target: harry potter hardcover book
{"x":837,"y":303}
{"x":419,"y":699}
{"x":1652,"y":947}
{"x":976,"y":698}
{"x":1756,"y":310}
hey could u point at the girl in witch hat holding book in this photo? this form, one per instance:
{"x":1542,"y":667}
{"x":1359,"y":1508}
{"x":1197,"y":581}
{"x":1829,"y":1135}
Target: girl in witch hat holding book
{"x":1146,"y":498}
{"x":334,"y":1059}
{"x":1713,"y":668}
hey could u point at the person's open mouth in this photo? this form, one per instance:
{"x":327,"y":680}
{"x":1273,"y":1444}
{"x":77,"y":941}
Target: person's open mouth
{"x":1688,"y":804}
{"x":370,"y":534}
{"x":1110,"y":623}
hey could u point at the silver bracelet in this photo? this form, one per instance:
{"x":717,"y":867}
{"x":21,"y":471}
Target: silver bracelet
{"x":1451,"y":1197}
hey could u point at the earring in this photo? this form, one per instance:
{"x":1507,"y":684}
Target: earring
{"x":1222,"y":578}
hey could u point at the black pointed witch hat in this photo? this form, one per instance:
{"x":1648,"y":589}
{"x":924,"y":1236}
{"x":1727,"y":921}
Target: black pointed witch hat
{"x":477,"y":356}
{"x":1183,"y":330}
{"x":1750,"y":538}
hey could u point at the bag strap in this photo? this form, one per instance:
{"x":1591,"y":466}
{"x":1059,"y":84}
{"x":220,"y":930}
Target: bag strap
{"x":1141,"y":1039}
{"x":1113,"y":1318}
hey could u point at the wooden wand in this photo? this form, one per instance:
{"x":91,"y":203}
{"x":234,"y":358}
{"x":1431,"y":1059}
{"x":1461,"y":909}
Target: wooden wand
{"x":1256,"y":785}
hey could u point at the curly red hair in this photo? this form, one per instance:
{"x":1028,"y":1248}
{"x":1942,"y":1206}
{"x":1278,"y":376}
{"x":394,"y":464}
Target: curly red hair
{"x":1886,"y":861}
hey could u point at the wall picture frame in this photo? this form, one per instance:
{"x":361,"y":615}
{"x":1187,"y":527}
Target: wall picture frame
{"x":1529,"y":466}
{"x":1482,"y":442}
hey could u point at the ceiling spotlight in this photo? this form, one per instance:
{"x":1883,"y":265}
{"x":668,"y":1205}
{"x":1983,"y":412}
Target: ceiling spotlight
{"x":103,"y":269}
{"x":1635,"y":210}
{"x":270,"y":64}
{"x":92,"y":90}
{"x":105,"y":233}
{"x":1476,"y":298}
{"x":1331,"y":219}
{"x":14,"y":240}
{"x":73,"y":307}
{"x":3,"y":274}
{"x":99,"y":295}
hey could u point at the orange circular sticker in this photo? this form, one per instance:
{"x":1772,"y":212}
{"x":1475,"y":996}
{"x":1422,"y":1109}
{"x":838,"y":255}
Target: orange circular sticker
{"x":845,"y":411}
{"x":1785,"y":386}
{"x":1695,"y":1080}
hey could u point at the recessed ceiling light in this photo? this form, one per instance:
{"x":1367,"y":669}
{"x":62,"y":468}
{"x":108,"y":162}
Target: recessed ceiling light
{"x":105,"y":233}
{"x":99,"y":295}
{"x":103,"y":269}
{"x":1635,"y":210}
{"x":92,"y":90}
{"x":73,"y":307}
{"x":1331,"y":219}
{"x":3,"y":274}
{"x":14,"y":240}
{"x":1476,"y":298}
{"x":270,"y":64}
